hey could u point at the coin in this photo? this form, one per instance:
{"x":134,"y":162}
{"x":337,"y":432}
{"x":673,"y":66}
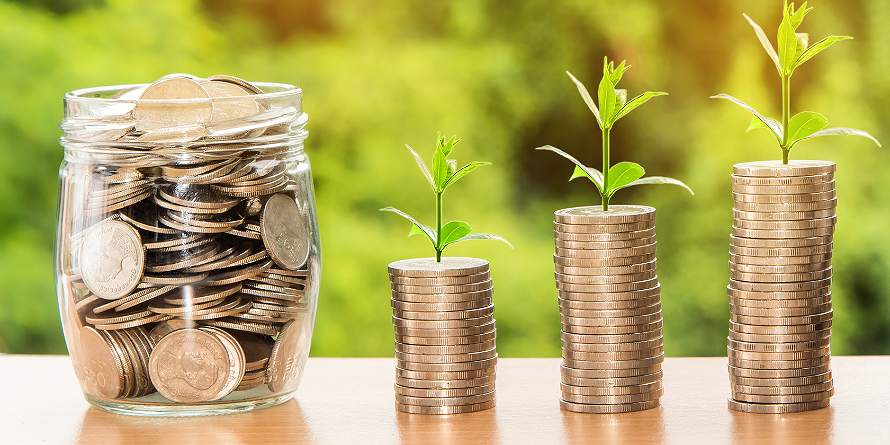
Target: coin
{"x":153,"y":114}
{"x":611,"y":356}
{"x":780,"y":287}
{"x":786,"y":383}
{"x":448,"y":367}
{"x":603,"y":228}
{"x":612,"y":382}
{"x":450,"y":409}
{"x":612,"y":400}
{"x":614,"y":365}
{"x":636,"y":320}
{"x":469,"y":305}
{"x":773,"y":169}
{"x":440,"y":281}
{"x":236,"y":360}
{"x":285,"y":234}
{"x":444,"y":289}
{"x":451,"y":359}
{"x":445,"y":350}
{"x":780,"y":329}
{"x":775,"y":296}
{"x":782,"y":216}
{"x":786,"y":207}
{"x":285,"y":364}
{"x":605,"y":279}
{"x":783,"y":198}
{"x":789,"y":398}
{"x":783,"y":234}
{"x":616,"y":270}
{"x":778,"y":347}
{"x":604,"y":245}
{"x":778,"y":260}
{"x":784,"y":269}
{"x":608,"y":409}
{"x":783,"y":181}
{"x":98,"y":365}
{"x":112,"y":260}
{"x":602,"y":262}
{"x":611,"y":338}
{"x":783,"y":321}
{"x":444,"y":375}
{"x":443,"y":298}
{"x":429,"y":268}
{"x":190,"y":365}
{"x":609,"y":305}
{"x":160,"y":330}
{"x":444,"y":401}
{"x":777,"y":373}
{"x":605,"y":237}
{"x":609,"y":253}
{"x":424,"y":393}
{"x":573,"y":289}
{"x":780,"y":338}
{"x":780,"y":312}
{"x":572,"y":372}
{"x":781,"y":408}
{"x":618,"y":214}
{"x":618,"y":313}
{"x":442,"y":324}
{"x":829,"y":221}
{"x":780,"y":277}
{"x":444,"y":315}
{"x":446,"y":384}
{"x":611,"y":390}
{"x":774,"y":189}
{"x":446,"y":340}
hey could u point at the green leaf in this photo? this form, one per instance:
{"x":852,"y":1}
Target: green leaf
{"x":620,"y":98}
{"x":464,"y":171}
{"x":772,"y":124}
{"x":581,"y":173}
{"x":796,"y":17}
{"x":447,"y":146}
{"x":804,"y":124}
{"x":440,"y":169}
{"x":621,"y":175}
{"x":452,"y":166}
{"x":660,"y":180}
{"x":817,"y":48}
{"x":453,"y":231}
{"x":608,"y":101}
{"x":615,"y":74}
{"x":587,"y":99}
{"x":787,"y":46}
{"x":591,"y":173}
{"x":636,"y":102}
{"x":484,"y":236}
{"x":765,"y":42}
{"x":423,"y":168}
{"x":842,"y":132}
{"x":757,"y":123}
{"x":427,"y":230}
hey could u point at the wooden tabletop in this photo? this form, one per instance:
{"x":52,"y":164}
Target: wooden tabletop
{"x":349,"y":400}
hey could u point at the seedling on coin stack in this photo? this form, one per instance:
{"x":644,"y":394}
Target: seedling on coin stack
{"x":780,"y":251}
{"x":443,"y":311}
{"x":609,"y":295}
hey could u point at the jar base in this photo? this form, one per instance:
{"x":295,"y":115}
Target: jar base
{"x":136,"y":408}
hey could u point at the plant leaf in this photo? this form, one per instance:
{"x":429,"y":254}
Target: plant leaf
{"x":608,"y":101}
{"x":581,"y":173}
{"x":840,"y":131}
{"x":447,"y":146}
{"x":593,"y":174}
{"x":616,"y":73}
{"x":452,"y":166}
{"x":587,"y":99}
{"x":765,"y":42}
{"x":660,"y":180}
{"x":453,"y":231}
{"x":464,"y":171}
{"x":804,"y":124}
{"x":636,"y":102}
{"x":772,"y":124}
{"x":440,"y":169}
{"x":423,"y":168}
{"x":787,"y":46}
{"x":484,"y":236}
{"x":818,"y":47}
{"x":427,"y":230}
{"x":621,"y":175}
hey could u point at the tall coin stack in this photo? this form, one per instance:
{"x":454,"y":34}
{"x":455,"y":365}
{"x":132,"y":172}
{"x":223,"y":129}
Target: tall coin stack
{"x":610,"y":308}
{"x":780,"y":286}
{"x":443,"y":317}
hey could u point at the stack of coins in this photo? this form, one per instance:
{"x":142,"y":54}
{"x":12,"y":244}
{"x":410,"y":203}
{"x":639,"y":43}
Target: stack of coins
{"x":212,"y":246}
{"x":443,"y":317}
{"x":780,"y":286}
{"x":610,"y":308}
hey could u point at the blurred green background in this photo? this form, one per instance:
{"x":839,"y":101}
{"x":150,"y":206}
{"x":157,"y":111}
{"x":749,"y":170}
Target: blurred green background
{"x":379,"y":74}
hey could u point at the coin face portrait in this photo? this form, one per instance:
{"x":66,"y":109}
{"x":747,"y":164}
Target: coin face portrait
{"x":189,"y":365}
{"x":284,"y":232}
{"x":111,"y":259}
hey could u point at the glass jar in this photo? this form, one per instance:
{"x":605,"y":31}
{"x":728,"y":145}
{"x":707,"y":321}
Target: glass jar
{"x":187,"y":255}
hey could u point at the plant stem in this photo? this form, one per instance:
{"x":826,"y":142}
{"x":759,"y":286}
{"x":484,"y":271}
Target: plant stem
{"x":439,"y":226}
{"x":786,"y":115}
{"x":605,"y":168}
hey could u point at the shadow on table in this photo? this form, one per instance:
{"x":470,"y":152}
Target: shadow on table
{"x":641,"y":427}
{"x":811,"y":428}
{"x":284,"y":423}
{"x":457,"y":429}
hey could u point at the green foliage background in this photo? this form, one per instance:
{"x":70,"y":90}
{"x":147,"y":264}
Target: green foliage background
{"x":379,"y":74}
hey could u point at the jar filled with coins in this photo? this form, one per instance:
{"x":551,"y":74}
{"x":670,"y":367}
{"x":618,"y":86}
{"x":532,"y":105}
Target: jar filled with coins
{"x":187,"y":248}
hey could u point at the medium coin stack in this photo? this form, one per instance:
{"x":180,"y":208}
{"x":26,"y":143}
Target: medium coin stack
{"x":443,"y":317}
{"x":186,"y":271}
{"x":780,"y":286}
{"x":610,"y":309}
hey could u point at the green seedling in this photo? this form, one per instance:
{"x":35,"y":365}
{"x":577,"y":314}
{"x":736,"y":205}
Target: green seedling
{"x":613,"y":105}
{"x":793,"y":51}
{"x":443,"y":174}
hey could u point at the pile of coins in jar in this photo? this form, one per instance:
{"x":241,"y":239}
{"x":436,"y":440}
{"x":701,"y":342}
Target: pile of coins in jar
{"x":610,"y":309}
{"x":780,"y":286}
{"x":443,"y":318}
{"x":185,"y":243}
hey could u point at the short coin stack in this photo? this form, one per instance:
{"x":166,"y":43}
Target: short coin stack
{"x":780,"y":286}
{"x":610,"y":308}
{"x":443,"y":317}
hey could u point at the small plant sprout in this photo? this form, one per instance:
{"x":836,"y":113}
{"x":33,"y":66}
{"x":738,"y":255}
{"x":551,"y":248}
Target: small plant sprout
{"x":613,"y":105}
{"x":793,"y":51}
{"x":444,"y":173}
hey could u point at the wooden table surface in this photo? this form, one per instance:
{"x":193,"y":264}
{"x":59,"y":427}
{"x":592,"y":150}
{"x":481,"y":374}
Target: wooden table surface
{"x":350,"y":400}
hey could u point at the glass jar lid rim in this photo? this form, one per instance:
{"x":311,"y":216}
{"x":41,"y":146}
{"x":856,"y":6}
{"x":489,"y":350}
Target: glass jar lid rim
{"x":79,"y":95}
